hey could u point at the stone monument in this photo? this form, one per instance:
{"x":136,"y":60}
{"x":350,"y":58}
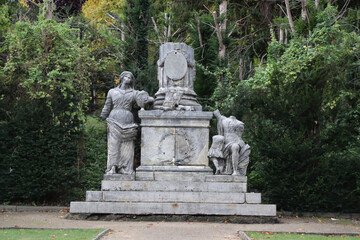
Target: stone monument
{"x":174,"y":180}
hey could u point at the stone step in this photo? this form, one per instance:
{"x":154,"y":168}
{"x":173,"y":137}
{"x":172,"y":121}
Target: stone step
{"x":163,"y":197}
{"x":174,"y":186}
{"x":172,"y":176}
{"x":141,"y":208}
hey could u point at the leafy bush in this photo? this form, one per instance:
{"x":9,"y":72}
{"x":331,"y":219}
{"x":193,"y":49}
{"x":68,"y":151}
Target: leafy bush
{"x":43,"y":93}
{"x":95,"y":149}
{"x":303,"y":119}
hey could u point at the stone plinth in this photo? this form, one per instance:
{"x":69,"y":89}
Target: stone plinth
{"x":176,"y":76}
{"x":170,"y":138}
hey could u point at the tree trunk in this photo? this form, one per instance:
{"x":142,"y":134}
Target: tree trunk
{"x":49,"y":7}
{"x":222,"y":47}
{"x":223,"y":10}
{"x":169,"y":28}
{"x":303,"y":10}
{"x":199,"y":30}
{"x":316,"y":4}
{"x":123,"y":32}
{"x":241,"y":69}
{"x":220,"y":30}
{"x":281,"y":35}
{"x":288,"y":12}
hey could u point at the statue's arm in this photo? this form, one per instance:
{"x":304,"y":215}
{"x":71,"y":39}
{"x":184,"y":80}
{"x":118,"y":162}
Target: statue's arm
{"x":217,"y":114}
{"x":143,"y":99}
{"x":107,"y":107}
{"x":219,"y":125}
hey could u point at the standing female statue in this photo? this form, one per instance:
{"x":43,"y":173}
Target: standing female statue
{"x":122,"y":129}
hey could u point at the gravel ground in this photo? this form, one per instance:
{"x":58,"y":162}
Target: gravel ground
{"x":176,"y":230}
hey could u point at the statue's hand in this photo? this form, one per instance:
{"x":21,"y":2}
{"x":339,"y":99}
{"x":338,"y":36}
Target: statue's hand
{"x":149,"y":100}
{"x":217,"y":113}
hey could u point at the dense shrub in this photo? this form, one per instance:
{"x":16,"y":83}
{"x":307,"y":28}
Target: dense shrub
{"x":95,"y":150}
{"x":43,"y":93}
{"x":302,"y":119}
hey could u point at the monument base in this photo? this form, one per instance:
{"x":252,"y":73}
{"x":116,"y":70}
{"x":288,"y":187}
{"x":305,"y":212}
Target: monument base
{"x":175,"y":193}
{"x":174,"y":218}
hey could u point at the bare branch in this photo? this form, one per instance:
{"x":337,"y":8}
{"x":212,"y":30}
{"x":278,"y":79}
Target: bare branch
{"x":282,"y":9}
{"x":29,"y":1}
{"x":156,"y":28}
{"x":207,"y":8}
{"x":343,"y":10}
{"x":114,"y":26}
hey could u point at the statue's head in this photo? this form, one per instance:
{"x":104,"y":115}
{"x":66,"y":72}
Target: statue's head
{"x":128,"y":75}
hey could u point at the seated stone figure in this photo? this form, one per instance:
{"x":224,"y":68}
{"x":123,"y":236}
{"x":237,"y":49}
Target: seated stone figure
{"x":122,"y":129}
{"x":229,"y":152}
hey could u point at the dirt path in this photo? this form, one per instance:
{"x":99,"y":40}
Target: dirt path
{"x":176,"y":230}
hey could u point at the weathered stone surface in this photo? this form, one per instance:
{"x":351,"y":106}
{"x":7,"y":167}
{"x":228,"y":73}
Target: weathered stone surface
{"x":174,"y":138}
{"x":253,"y":197}
{"x":173,"y":186}
{"x":94,"y":196}
{"x":226,"y":178}
{"x":173,"y":173}
{"x":173,"y":208}
{"x":144,"y":176}
{"x":165,"y":197}
{"x":174,"y":169}
{"x":176,"y":75}
{"x":124,"y":177}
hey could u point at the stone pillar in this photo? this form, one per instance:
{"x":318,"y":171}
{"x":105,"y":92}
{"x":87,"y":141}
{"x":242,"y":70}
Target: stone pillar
{"x":176,"y":76}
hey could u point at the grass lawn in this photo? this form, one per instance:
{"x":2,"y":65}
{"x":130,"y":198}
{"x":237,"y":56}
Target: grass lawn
{"x":27,"y":234}
{"x":292,"y":236}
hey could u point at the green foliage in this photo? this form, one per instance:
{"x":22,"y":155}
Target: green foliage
{"x":38,"y":160}
{"x":136,"y":45}
{"x":95,"y":153}
{"x":303,"y":119}
{"x":206,"y":56}
{"x":44,"y":92}
{"x":48,"y":64}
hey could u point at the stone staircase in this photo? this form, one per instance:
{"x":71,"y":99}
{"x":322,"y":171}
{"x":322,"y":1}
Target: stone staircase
{"x":174,"y":191}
